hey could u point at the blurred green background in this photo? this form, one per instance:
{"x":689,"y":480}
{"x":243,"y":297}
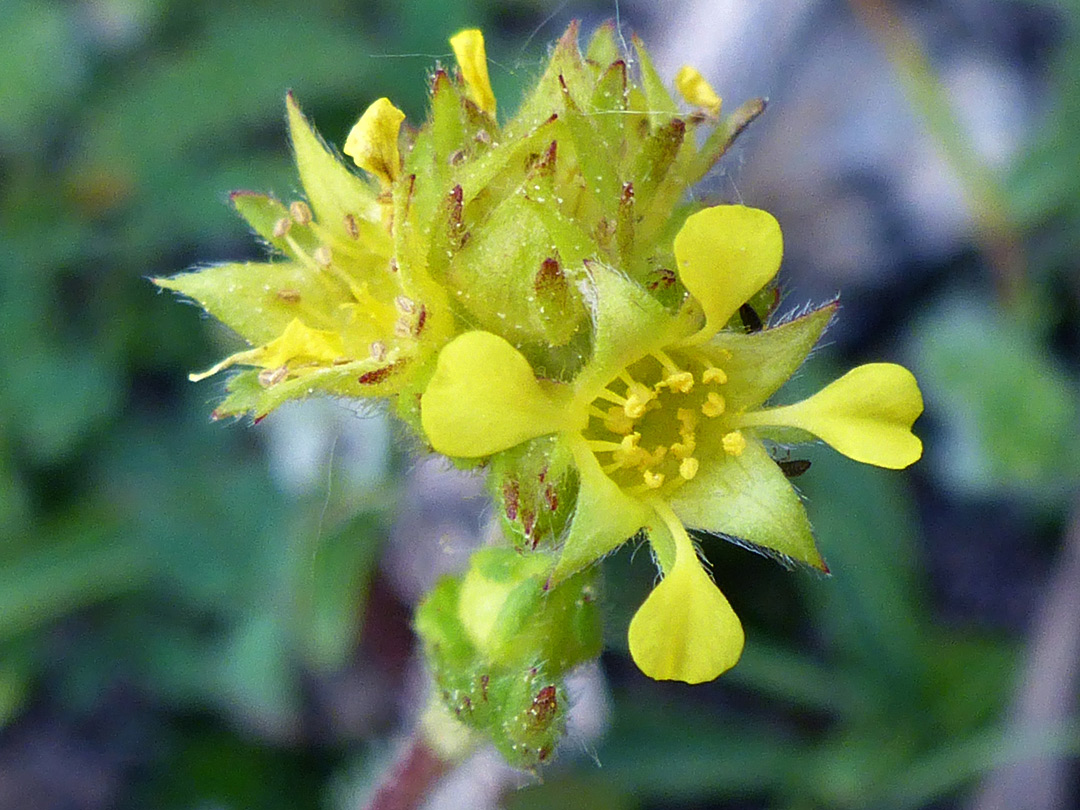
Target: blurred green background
{"x":198,"y":615}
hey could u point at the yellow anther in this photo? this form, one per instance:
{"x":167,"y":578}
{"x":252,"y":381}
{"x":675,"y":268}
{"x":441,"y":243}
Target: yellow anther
{"x":352,"y":227}
{"x":617,"y":421}
{"x":630,"y":454}
{"x":653,"y":480}
{"x":300,"y":212}
{"x":638,"y":397}
{"x":373,"y":141}
{"x":693,"y":87}
{"x":713,"y":375}
{"x":269,"y":377}
{"x":684,"y":449}
{"x":734,"y":443}
{"x":472,"y":59}
{"x":680,"y":381}
{"x":688,"y":418}
{"x":322,"y":256}
{"x":713,"y":405}
{"x":688,"y":468}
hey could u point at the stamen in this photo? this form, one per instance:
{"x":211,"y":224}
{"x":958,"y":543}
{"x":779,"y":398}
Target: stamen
{"x":712,"y":374}
{"x":734,"y":443}
{"x":638,"y":397}
{"x":681,"y":382}
{"x":270,"y":377}
{"x":653,"y":480}
{"x":685,"y":448}
{"x":611,"y":396}
{"x":352,"y":228}
{"x":688,"y":468}
{"x":300,"y":212}
{"x":618,"y":422}
{"x":600,"y":446}
{"x":322,"y":256}
{"x":713,"y":405}
{"x":281,"y":227}
{"x":378,"y":351}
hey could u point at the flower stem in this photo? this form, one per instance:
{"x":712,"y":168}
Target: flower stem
{"x":410,"y":779}
{"x":928,"y":98}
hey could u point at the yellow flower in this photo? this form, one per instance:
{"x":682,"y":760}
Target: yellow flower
{"x":336,"y":316}
{"x":666,"y":423}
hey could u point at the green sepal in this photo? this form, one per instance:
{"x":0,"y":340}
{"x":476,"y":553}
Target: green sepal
{"x":747,"y":499}
{"x":448,"y":139}
{"x":533,"y":486}
{"x":628,"y":324}
{"x":566,"y":67}
{"x":722,"y":137}
{"x":257,"y":300}
{"x":608,"y":106}
{"x":657,"y":156}
{"x":758,"y":364}
{"x":603,"y":48}
{"x":605,"y":517}
{"x":332,"y":190}
{"x":246,"y":394}
{"x":660,"y":105}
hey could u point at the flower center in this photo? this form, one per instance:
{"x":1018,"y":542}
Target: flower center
{"x":644,"y":426}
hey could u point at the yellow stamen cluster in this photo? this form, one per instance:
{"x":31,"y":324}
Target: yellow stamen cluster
{"x":644,"y":412}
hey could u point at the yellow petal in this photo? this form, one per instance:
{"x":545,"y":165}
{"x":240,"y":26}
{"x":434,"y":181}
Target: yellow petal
{"x":685,"y":630}
{"x":484,"y":398}
{"x":696,"y":90}
{"x":373,"y":141}
{"x":472,"y":59}
{"x":725,"y":254}
{"x":298,"y":344}
{"x":867,"y":415}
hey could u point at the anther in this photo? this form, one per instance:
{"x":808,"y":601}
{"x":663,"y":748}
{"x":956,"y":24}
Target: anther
{"x":378,"y":351}
{"x":734,"y":443}
{"x":351,"y":227}
{"x":404,"y":305}
{"x":300,"y":212}
{"x":322,"y":256}
{"x":638,"y":397}
{"x":653,"y":480}
{"x":272,"y":376}
{"x":617,"y":421}
{"x":281,"y":227}
{"x":688,"y":468}
{"x":289,"y":296}
{"x":680,"y":381}
{"x":713,"y":375}
{"x":713,"y":405}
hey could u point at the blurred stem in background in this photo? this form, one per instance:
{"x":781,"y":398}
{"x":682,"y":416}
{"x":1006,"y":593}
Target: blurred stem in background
{"x":995,"y":229}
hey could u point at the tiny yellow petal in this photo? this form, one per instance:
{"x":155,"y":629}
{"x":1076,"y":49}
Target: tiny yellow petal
{"x":697,"y":91}
{"x":472,"y":59}
{"x":484,"y":397}
{"x":685,"y":630}
{"x":867,"y":415}
{"x":373,"y":141}
{"x":725,"y":254}
{"x":298,"y":344}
